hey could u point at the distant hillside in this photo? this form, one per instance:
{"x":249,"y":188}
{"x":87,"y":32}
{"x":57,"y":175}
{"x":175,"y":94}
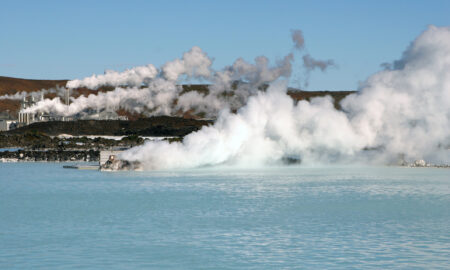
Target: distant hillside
{"x":10,"y":85}
{"x":13,"y":85}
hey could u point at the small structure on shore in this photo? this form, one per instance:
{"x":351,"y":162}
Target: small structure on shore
{"x":7,"y":122}
{"x":421,"y":163}
{"x":109,"y":161}
{"x":108,"y":155}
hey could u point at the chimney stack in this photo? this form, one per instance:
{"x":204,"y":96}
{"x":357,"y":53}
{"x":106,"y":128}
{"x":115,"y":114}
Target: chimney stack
{"x":67,"y":96}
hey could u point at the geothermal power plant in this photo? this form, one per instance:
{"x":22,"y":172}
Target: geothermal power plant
{"x":246,"y":112}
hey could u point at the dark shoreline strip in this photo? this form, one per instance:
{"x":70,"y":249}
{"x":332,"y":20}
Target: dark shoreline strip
{"x":52,"y":155}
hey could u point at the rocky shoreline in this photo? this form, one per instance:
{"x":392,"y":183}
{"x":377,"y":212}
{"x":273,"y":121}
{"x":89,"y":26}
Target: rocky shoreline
{"x":85,"y":155}
{"x":50,"y":156}
{"x":40,"y":141}
{"x":39,"y":147}
{"x":157,"y":126}
{"x":420,"y":163}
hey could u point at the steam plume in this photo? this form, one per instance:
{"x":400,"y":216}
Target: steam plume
{"x":16,"y":96}
{"x":297,"y":38}
{"x":400,"y":112}
{"x":37,"y":94}
{"x":311,"y":63}
{"x":134,"y":77}
{"x":156,"y":92}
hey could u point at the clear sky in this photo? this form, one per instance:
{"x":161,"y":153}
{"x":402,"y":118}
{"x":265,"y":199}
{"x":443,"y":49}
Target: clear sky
{"x":74,"y":39}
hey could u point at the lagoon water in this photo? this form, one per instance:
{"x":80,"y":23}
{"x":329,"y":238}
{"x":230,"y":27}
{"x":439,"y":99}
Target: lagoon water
{"x":278,"y":218}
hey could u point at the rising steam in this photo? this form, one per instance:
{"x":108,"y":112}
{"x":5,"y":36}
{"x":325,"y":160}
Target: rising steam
{"x":133,"y":77}
{"x":311,"y":64}
{"x":403,"y":112}
{"x":298,"y":39}
{"x":155,"y":91}
{"x":59,"y":91}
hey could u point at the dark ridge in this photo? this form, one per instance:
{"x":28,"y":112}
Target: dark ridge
{"x":52,"y":155}
{"x":153,"y":126}
{"x":337,"y":96}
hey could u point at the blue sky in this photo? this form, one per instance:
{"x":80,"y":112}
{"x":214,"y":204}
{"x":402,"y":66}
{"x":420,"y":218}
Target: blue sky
{"x":74,"y":39}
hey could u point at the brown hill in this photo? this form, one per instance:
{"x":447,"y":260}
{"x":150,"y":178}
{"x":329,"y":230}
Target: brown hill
{"x":13,"y":85}
{"x":10,"y":85}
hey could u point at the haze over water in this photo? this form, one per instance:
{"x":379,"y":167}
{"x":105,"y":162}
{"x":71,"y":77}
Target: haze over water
{"x":278,"y":218}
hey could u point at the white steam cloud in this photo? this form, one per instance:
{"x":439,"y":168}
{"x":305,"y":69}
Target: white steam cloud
{"x":59,"y":91}
{"x":152,"y":91}
{"x":402,"y":112}
{"x":156,"y":92}
{"x":16,"y":96}
{"x":134,"y":77}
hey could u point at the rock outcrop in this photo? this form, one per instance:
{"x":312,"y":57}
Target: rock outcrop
{"x":49,"y":156}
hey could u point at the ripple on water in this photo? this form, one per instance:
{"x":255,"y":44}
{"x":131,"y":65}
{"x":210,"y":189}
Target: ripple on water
{"x":288,"y":218}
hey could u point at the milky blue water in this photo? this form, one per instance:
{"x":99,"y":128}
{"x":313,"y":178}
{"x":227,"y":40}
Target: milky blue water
{"x":285,"y":218}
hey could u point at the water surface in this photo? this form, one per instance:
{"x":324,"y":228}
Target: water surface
{"x":278,"y":218}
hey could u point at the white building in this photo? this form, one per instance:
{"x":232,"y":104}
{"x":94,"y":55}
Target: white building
{"x":110,"y":155}
{"x":6,"y":121}
{"x":6,"y":125}
{"x":27,"y":118}
{"x":88,"y":114}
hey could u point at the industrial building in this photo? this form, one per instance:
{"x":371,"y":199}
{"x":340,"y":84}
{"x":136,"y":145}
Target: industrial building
{"x":7,"y":122}
{"x":26,"y":118}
